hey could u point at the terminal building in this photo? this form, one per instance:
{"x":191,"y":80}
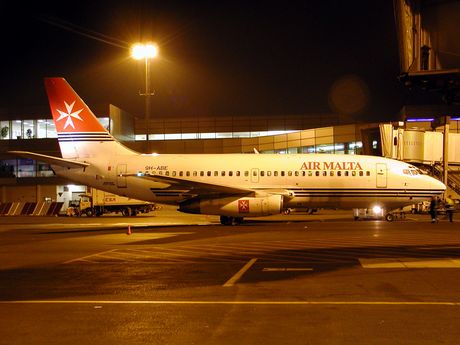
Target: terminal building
{"x":426,"y":134}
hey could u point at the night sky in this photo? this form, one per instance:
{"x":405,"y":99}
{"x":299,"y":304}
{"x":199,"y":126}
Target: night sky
{"x":217,"y":58}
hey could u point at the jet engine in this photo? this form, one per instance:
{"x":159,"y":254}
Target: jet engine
{"x":234,"y":206}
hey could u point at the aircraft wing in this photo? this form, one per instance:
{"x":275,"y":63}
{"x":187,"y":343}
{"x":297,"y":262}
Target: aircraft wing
{"x":194,"y":187}
{"x":66,"y":163}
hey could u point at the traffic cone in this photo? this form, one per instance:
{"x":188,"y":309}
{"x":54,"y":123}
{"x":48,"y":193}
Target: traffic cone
{"x":129,"y":232}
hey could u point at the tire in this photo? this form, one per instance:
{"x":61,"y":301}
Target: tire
{"x":89,"y":212}
{"x":238,"y":220}
{"x":226,"y":220}
{"x":389,"y":217}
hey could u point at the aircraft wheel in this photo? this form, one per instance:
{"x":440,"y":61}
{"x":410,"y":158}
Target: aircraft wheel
{"x":287,"y":211}
{"x":224,"y":220}
{"x":237,"y":220}
{"x":389,"y":217}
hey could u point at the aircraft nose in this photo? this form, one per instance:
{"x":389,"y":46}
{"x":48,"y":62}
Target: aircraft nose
{"x":437,"y":185}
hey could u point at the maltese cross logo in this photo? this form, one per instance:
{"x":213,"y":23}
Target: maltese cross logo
{"x":243,"y":206}
{"x":69,"y":114}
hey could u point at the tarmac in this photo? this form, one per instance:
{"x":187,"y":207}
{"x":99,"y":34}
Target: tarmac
{"x":181,"y":279}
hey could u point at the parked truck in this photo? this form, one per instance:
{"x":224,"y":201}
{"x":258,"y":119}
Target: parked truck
{"x":96,"y":203}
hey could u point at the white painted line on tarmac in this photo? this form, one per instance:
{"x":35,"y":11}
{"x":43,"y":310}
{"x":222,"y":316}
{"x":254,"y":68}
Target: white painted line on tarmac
{"x":410,"y":263}
{"x":286,"y":269}
{"x":157,"y":302}
{"x":88,"y":256}
{"x":240,"y":273}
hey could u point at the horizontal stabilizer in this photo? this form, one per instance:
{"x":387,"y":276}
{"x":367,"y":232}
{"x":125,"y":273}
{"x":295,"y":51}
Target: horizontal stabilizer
{"x":66,"y":163}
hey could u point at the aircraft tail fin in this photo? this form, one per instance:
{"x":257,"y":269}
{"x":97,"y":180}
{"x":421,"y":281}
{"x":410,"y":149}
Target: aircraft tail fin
{"x":80,"y":134}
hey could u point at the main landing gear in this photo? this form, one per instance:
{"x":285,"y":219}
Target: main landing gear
{"x":225,"y":220}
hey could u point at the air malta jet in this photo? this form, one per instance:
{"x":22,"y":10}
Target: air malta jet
{"x":232,"y":186}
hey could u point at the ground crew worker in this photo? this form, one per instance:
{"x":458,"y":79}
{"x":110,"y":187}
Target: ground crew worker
{"x":434,"y":209}
{"x":449,"y":203}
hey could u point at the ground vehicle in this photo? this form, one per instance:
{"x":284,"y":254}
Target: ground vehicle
{"x":97,"y":202}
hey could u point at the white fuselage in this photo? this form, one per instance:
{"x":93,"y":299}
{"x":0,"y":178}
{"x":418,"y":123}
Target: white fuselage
{"x":305,"y":180}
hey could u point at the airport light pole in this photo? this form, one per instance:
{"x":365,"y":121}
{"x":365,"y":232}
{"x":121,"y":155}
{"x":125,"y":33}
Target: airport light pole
{"x":146,"y":52}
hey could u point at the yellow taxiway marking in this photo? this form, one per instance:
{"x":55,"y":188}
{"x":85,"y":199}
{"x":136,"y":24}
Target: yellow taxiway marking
{"x":240,"y":273}
{"x":410,"y":263}
{"x":158,"y":302}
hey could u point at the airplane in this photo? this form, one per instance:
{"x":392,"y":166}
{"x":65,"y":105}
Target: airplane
{"x":232,"y":186}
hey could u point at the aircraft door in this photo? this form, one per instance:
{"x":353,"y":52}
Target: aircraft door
{"x":381,"y":170}
{"x":121,"y":179}
{"x":254,"y":175}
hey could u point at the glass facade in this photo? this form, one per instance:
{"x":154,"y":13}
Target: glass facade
{"x":34,"y":129}
{"x":24,"y":167}
{"x":212,"y":135}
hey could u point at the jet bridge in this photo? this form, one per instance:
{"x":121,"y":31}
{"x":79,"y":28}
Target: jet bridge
{"x":425,"y":148}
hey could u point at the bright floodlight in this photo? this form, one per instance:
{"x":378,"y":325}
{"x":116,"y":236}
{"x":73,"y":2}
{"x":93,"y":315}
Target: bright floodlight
{"x":377,"y":209}
{"x":144,"y":51}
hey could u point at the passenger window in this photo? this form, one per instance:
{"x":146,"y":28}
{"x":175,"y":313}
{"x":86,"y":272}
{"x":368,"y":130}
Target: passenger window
{"x":201,"y":173}
{"x":222,"y":173}
{"x":310,"y":173}
{"x":289,"y":173}
{"x":368,"y":173}
{"x":275,"y":173}
{"x":188,"y":173}
{"x":230,"y":173}
{"x":346,"y":173}
{"x":161,"y":172}
{"x":282,"y":173}
{"x":269,"y":173}
{"x":262,"y":173}
{"x":361,"y":173}
{"x":173,"y":173}
{"x":181,"y":173}
{"x":216,"y":173}
{"x":324,"y":173}
{"x":237,"y":173}
{"x":296,"y":173}
{"x":209,"y":173}
{"x":167,"y":173}
{"x":246,"y":173}
{"x":331,"y":173}
{"x":317,"y":173}
{"x":353,"y":173}
{"x":339,"y":173}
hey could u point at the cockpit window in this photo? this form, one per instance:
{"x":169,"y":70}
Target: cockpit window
{"x":412,"y":171}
